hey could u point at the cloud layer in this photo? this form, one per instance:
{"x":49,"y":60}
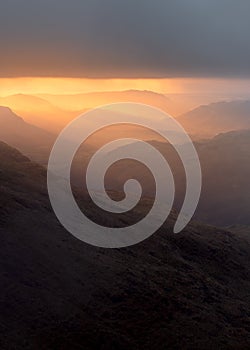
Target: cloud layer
{"x":118,"y":38}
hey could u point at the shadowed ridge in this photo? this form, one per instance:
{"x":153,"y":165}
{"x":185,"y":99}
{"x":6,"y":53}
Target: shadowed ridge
{"x":189,"y":290}
{"x":33,"y":141}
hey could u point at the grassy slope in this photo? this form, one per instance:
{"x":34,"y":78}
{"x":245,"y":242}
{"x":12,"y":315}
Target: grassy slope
{"x":185,"y":291}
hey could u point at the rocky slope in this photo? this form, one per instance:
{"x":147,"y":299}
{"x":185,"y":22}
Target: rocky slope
{"x":174,"y":291}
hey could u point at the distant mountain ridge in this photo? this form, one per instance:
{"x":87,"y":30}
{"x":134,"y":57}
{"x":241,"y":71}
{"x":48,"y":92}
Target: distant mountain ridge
{"x":39,"y":111}
{"x":53,"y":112}
{"x":220,"y":117}
{"x":225,"y":166}
{"x":94,"y":99}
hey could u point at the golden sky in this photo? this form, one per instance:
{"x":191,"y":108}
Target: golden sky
{"x":37,"y":85}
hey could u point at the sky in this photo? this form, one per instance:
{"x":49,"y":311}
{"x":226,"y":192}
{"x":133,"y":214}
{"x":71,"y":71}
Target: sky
{"x":132,"y":39}
{"x":221,"y":87}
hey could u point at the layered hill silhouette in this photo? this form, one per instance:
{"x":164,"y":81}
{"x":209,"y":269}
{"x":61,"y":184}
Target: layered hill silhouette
{"x":95,"y":99}
{"x":224,"y":160}
{"x":226,"y":171}
{"x":33,"y":141}
{"x":176,"y":291}
{"x":225,"y":195}
{"x":36,"y":142}
{"x":39,"y":112}
{"x":220,"y":117}
{"x":53,"y":112}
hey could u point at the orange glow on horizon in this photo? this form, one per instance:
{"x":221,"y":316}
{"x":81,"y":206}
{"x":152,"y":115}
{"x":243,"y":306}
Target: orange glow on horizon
{"x":37,"y":102}
{"x":37,"y":85}
{"x":60,"y":86}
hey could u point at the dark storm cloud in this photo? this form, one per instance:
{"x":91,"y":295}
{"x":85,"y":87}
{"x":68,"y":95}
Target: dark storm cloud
{"x":125,"y":38}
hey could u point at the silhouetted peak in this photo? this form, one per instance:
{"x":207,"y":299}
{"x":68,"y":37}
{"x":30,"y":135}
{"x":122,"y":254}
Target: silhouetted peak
{"x":6,"y":114}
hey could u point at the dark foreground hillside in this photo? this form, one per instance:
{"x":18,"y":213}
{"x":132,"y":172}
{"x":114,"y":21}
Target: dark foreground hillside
{"x":172,"y":291}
